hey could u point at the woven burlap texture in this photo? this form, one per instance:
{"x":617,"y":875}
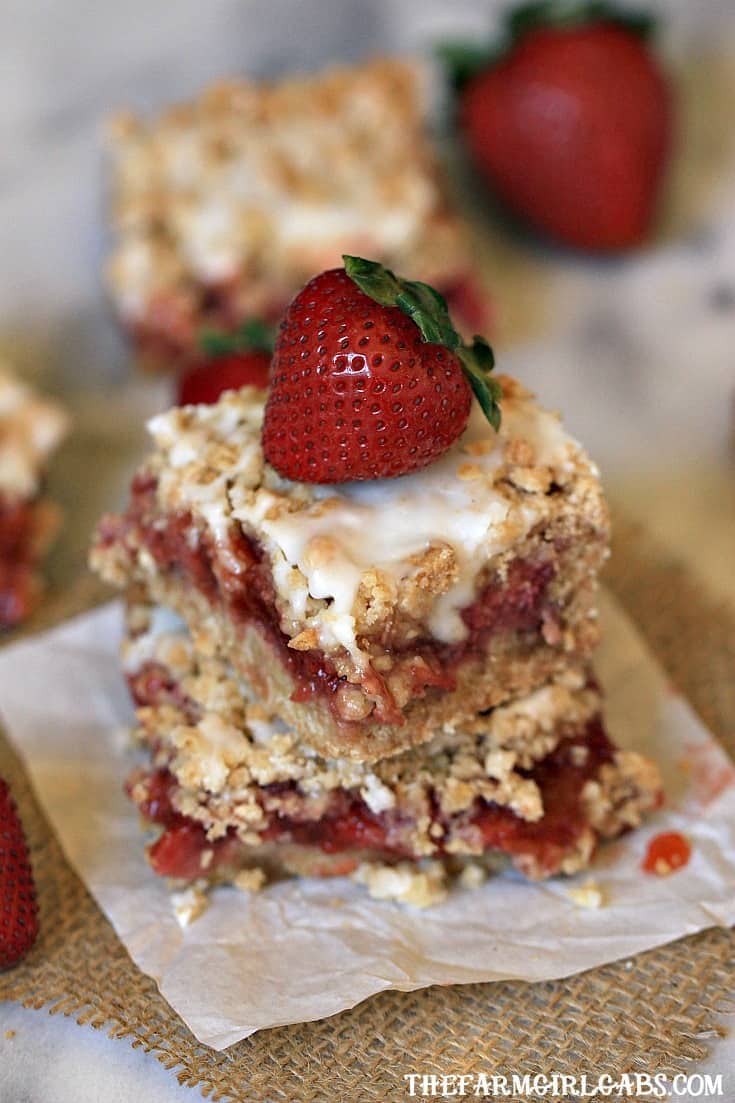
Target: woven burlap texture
{"x":653,"y":1013}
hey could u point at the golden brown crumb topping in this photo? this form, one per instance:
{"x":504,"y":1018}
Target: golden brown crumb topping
{"x":263,"y":184}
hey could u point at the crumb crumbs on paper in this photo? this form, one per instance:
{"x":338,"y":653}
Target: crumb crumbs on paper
{"x":420,"y":887}
{"x":189,"y":904}
{"x":9,"y":1034}
{"x":249,"y":880}
{"x":588,"y":895}
{"x":472,"y":876}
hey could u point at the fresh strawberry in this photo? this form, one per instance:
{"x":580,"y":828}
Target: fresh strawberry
{"x":468,"y":302}
{"x":232,"y":360}
{"x":369,"y":378}
{"x":18,"y":910}
{"x":571,"y":122}
{"x":205,"y":381}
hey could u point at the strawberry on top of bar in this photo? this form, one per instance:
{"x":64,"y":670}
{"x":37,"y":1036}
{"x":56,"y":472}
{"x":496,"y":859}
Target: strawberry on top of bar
{"x":449,"y":564}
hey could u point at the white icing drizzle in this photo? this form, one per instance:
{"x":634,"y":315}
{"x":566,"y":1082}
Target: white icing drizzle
{"x":386,"y":522}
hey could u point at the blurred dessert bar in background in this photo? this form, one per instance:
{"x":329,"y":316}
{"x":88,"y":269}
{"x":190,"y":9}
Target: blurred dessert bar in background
{"x":222,"y":208}
{"x":31,"y":428}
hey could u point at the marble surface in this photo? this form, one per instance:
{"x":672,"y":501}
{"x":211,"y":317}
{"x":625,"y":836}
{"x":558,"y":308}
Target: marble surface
{"x":638,"y":353}
{"x":50,"y":1059}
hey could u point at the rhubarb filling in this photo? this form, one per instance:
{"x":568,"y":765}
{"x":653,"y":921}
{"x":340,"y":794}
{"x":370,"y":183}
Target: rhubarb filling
{"x":236,"y":579}
{"x":183,"y":851}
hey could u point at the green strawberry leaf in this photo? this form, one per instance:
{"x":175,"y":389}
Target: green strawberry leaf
{"x":573,"y":13}
{"x":252,"y":336}
{"x":478,"y":361}
{"x":464,"y":60}
{"x":428,"y":310}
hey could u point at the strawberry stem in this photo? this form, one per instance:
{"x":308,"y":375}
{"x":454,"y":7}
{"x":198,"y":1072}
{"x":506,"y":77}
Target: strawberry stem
{"x":252,"y":336}
{"x":428,"y":309}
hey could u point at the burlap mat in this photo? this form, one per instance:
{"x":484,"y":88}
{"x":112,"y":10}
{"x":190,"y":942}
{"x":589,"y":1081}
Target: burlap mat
{"x":652,"y":1013}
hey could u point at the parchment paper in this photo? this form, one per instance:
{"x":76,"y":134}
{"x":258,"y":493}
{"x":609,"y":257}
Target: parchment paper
{"x":304,"y":950}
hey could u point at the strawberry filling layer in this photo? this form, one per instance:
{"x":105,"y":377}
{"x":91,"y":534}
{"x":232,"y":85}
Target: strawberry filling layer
{"x":246,"y":594}
{"x":17,"y":560}
{"x":183,"y":851}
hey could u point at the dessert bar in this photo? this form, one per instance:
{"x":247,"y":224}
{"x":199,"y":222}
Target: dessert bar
{"x":228,"y":789}
{"x":30,"y":430}
{"x":370,"y":614}
{"x":382,"y":575}
{"x":224,"y":207}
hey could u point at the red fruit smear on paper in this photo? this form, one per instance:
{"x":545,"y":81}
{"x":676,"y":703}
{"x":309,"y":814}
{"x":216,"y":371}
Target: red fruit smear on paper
{"x":667,"y":852}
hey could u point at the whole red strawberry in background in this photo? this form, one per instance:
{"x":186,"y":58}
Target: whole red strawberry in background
{"x":369,"y":378}
{"x":18,"y":909}
{"x":571,"y":122}
{"x":231,"y":361}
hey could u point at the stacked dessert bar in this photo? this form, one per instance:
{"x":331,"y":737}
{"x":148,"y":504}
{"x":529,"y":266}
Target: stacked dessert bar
{"x":224,"y":207}
{"x":337,"y":677}
{"x":31,"y":428}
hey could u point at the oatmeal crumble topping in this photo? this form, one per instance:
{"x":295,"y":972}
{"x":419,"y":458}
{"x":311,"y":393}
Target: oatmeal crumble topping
{"x":612,"y":799}
{"x":224,"y":751}
{"x":421,"y":886}
{"x":588,"y":895}
{"x":189,"y":904}
{"x":251,"y":800}
{"x":31,"y":428}
{"x":230,"y":191}
{"x":472,"y":875}
{"x":249,"y":880}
